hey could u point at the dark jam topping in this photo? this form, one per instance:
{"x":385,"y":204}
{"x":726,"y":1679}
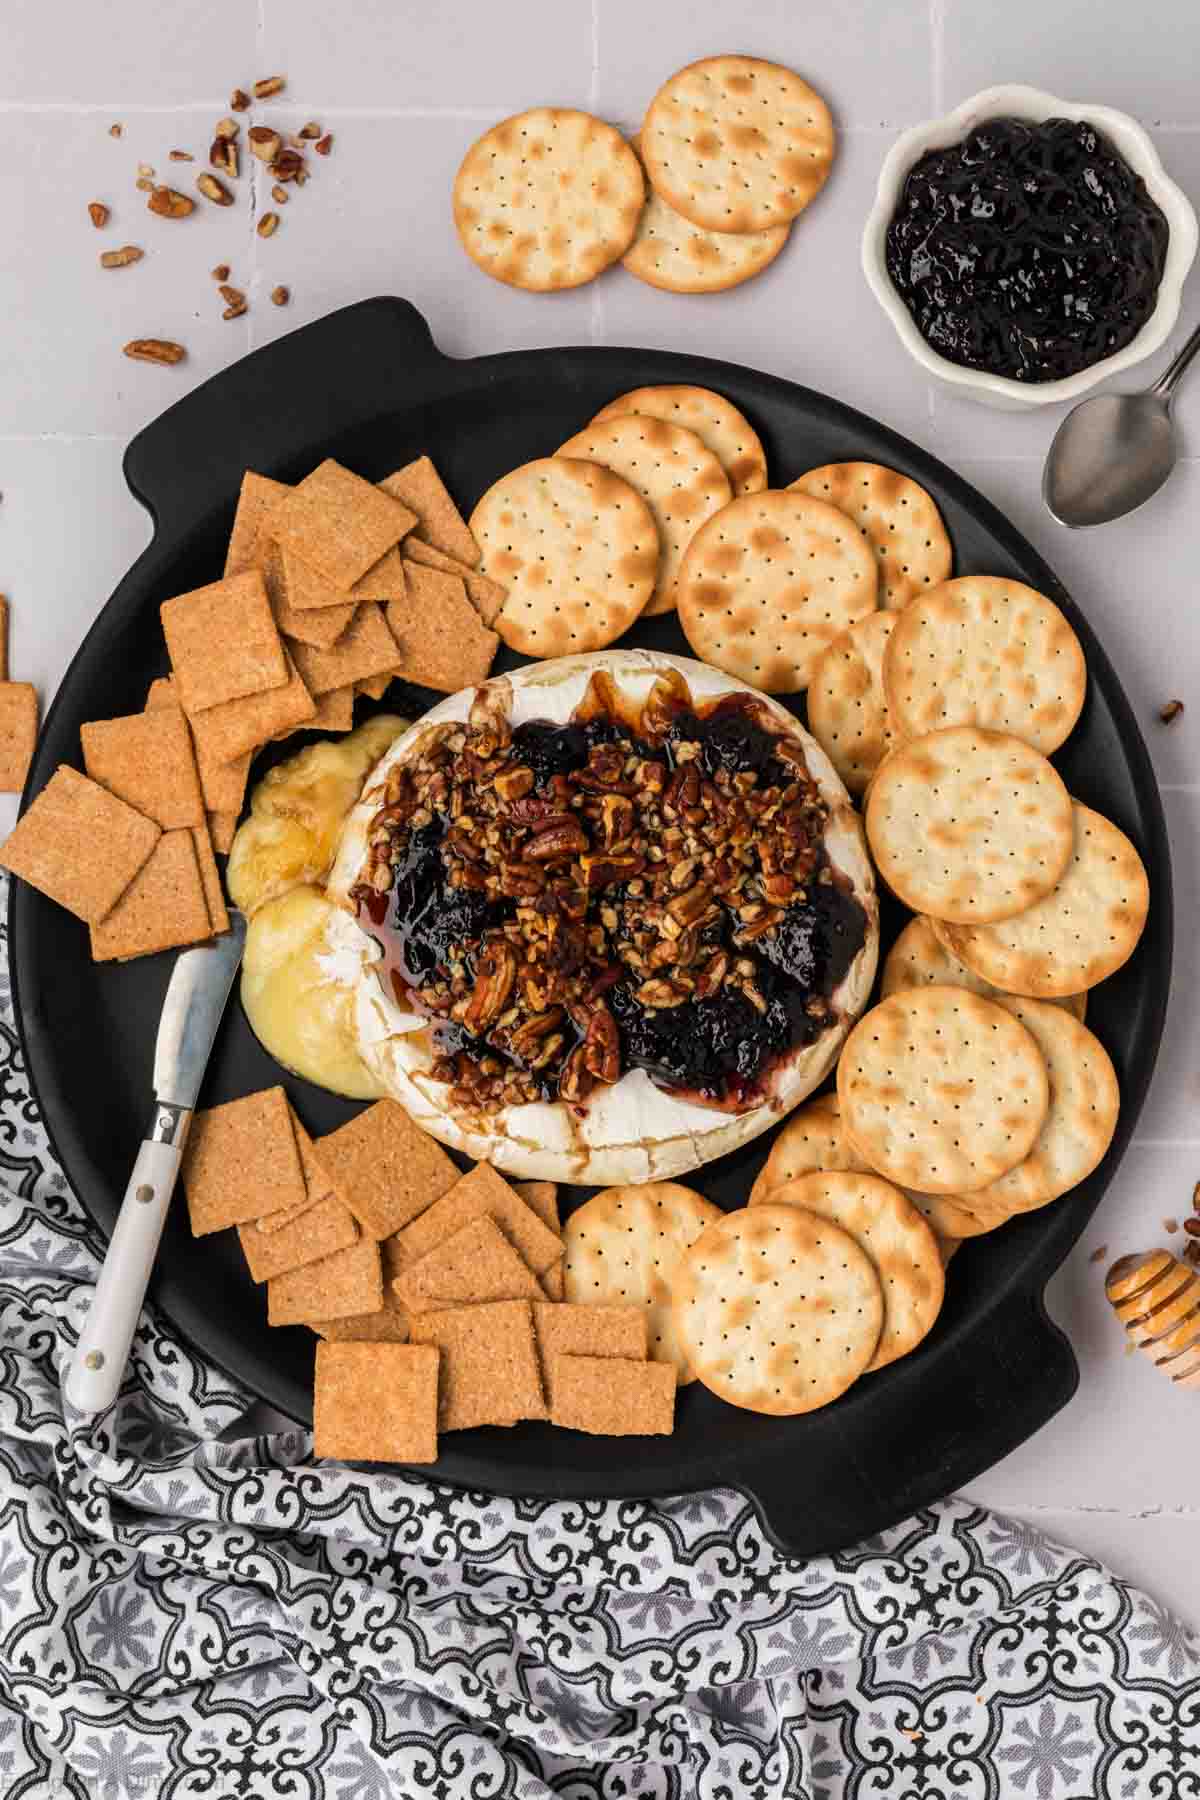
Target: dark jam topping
{"x":1030,"y":251}
{"x":702,"y":963}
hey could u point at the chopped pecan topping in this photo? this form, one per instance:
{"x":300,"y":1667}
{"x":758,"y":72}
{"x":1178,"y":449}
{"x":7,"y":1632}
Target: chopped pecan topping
{"x":213,"y":190}
{"x":264,"y":143}
{"x":169,"y":204}
{"x":239,"y":100}
{"x":98,"y":213}
{"x":155,"y":350}
{"x":121,"y":259}
{"x":268,"y":225}
{"x":271,"y":84}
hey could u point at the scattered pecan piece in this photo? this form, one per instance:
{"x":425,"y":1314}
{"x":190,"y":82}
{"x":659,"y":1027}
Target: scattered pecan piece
{"x":280,"y":296}
{"x":214,"y":190}
{"x":324,"y":145}
{"x":271,"y":84}
{"x":311,"y":130}
{"x":226,"y":128}
{"x":264,"y":143}
{"x":239,"y":100}
{"x":168,"y":203}
{"x":223,"y":155}
{"x":145,"y":170}
{"x":287,"y":166}
{"x":301,"y":175}
{"x":221,"y":272}
{"x":115,"y":130}
{"x":144,"y":185}
{"x":180,"y":156}
{"x":98,"y":213}
{"x":231,"y":296}
{"x":1171,"y":711}
{"x":268,"y":225}
{"x":279,"y":195}
{"x":121,"y":259}
{"x":155,"y":350}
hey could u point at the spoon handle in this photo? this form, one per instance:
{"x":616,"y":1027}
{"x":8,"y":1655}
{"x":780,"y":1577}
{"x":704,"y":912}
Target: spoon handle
{"x":1171,"y":376}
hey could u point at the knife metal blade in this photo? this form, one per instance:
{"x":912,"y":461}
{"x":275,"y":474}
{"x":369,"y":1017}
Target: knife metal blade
{"x":196,"y":996}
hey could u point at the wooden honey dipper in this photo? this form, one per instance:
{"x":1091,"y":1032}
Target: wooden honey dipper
{"x":1157,"y":1299}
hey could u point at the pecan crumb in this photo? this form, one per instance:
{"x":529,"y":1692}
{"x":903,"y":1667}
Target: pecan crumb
{"x":98,"y":213}
{"x":280,"y":296}
{"x":1099,"y":1254}
{"x":115,"y":130}
{"x":144,"y":185}
{"x":146,"y":170}
{"x":226,"y":128}
{"x":324,"y":145}
{"x":1171,"y":711}
{"x":155,"y":350}
{"x":120,"y":259}
{"x":268,"y":225}
{"x":234,"y":312}
{"x":231,"y":296}
{"x":1170,"y":1226}
{"x":168,"y":203}
{"x":221,"y":272}
{"x":180,"y":156}
{"x":279,"y":195}
{"x":214,"y":190}
{"x":272,"y":84}
{"x":264,"y":143}
{"x":239,"y":100}
{"x":311,"y":130}
{"x":301,"y":175}
{"x":223,"y":155}
{"x":288,"y":165}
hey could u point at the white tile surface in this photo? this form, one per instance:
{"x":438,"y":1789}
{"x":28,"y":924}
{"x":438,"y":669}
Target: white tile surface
{"x":405,"y":88}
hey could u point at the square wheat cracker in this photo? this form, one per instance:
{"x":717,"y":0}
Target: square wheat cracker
{"x":365,"y":648}
{"x":257,"y":500}
{"x":485,"y":595}
{"x":49,"y":846}
{"x":339,"y":524}
{"x":146,"y":759}
{"x":316,"y":1232}
{"x":285,"y":576}
{"x":587,"y":1331}
{"x":611,"y":1397}
{"x":316,"y":1182}
{"x":210,"y":878}
{"x":163,"y":908}
{"x":307,"y":591}
{"x":335,"y":711}
{"x":225,"y":733}
{"x":542,"y":1197}
{"x":440,"y":640}
{"x":223,"y":642}
{"x":223,"y":784}
{"x":489,"y":1369}
{"x":339,"y":1286}
{"x":222,"y":829}
{"x":385,"y":1168}
{"x":241,"y":1161}
{"x":376,"y":1402}
{"x":387,"y":1326}
{"x":554,"y":1281}
{"x":439,"y":521}
{"x":376,"y":686}
{"x":18,"y":733}
{"x":476,"y":1263}
{"x":384,"y":581}
{"x":482,"y":1193}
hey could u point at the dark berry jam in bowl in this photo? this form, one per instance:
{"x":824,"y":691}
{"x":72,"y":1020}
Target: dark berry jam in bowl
{"x":1026,"y":248}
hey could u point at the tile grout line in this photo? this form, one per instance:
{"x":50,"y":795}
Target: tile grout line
{"x":260,"y":37}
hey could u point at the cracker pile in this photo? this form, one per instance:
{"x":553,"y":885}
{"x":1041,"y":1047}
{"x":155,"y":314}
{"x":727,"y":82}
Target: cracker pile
{"x":437,"y":1296}
{"x":18,"y":718}
{"x":731,"y":151}
{"x":331,"y":588}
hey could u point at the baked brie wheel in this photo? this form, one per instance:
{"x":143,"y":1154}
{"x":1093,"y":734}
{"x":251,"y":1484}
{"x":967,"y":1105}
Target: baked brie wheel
{"x":606,"y":918}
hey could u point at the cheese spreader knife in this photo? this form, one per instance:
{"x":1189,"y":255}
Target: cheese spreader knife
{"x":196,"y":995}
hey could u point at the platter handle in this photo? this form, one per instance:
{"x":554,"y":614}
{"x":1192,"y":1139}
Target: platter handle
{"x":282,"y":408}
{"x":1006,"y":1381}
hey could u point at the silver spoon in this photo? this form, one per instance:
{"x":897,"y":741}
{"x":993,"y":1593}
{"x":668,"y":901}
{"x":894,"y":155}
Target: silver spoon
{"x":1113,"y":451}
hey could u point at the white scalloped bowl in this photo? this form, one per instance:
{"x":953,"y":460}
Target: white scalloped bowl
{"x":1033,"y":105}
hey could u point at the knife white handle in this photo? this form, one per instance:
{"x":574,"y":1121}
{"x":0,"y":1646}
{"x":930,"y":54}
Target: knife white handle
{"x":103,"y":1348}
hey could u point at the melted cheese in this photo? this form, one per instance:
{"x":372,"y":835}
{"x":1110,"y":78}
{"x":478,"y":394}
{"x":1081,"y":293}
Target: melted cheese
{"x":298,"y":1009}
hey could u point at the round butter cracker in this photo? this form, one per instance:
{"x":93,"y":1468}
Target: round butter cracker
{"x":969,"y":825}
{"x":942,"y":1090}
{"x":777,"y":1310}
{"x":918,"y":958}
{"x":899,"y":1242}
{"x":980,"y":651}
{"x":669,"y":252}
{"x":847,"y":712}
{"x":548,"y":198}
{"x":715,"y":421}
{"x":737,"y":144}
{"x":623,"y":1247}
{"x":898,"y":519}
{"x":1081,"y":933}
{"x":577,"y":549}
{"x":678,"y":477}
{"x":768,"y":583}
{"x":812,"y":1138}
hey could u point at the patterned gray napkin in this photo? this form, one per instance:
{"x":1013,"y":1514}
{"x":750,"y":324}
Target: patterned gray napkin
{"x":182,"y":1616}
